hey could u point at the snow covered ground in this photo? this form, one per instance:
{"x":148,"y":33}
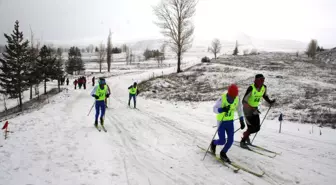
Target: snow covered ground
{"x":154,"y":144}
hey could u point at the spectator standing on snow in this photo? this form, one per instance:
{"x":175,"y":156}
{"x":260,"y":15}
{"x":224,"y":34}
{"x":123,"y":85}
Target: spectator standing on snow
{"x":80,"y":82}
{"x":84,"y":82}
{"x":75,"y":83}
{"x":93,"y":81}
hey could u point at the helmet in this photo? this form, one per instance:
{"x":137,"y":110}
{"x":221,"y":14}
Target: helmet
{"x":233,"y":90}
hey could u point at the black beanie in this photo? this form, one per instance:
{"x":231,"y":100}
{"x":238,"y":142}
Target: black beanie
{"x":259,"y":76}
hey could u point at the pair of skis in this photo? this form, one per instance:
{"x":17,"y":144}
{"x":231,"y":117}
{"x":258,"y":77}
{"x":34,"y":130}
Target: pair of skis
{"x":234,"y":166}
{"x":102,"y":126}
{"x":258,"y":150}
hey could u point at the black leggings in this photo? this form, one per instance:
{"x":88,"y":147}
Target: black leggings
{"x":253,"y":123}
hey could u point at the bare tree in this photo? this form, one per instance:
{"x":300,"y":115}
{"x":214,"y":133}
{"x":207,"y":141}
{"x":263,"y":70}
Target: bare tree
{"x":101,"y":55}
{"x":174,"y":18}
{"x":312,"y":48}
{"x":127,"y":55}
{"x":109,"y":51}
{"x":216,"y":47}
{"x":90,"y":48}
{"x":163,"y":51}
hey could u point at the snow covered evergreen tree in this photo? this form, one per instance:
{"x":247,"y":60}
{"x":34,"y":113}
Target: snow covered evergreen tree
{"x":75,"y":62}
{"x":14,"y":76}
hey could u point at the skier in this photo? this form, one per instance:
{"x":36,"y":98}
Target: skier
{"x":250,"y":102}
{"x":67,"y":81}
{"x":133,"y":92}
{"x":100,"y":92}
{"x":225,"y":107}
{"x":93,"y":81}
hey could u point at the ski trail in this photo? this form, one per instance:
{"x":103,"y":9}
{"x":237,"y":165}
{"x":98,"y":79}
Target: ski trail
{"x":154,"y":144}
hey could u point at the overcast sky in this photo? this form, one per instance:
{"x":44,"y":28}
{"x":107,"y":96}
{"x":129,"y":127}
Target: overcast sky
{"x":87,"y":21}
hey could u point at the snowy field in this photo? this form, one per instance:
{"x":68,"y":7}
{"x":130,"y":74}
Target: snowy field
{"x":154,"y":144}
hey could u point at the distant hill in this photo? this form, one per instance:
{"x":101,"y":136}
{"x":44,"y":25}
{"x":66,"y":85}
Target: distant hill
{"x":327,"y":56}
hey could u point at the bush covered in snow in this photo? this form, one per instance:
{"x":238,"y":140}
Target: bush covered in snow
{"x":205,"y":59}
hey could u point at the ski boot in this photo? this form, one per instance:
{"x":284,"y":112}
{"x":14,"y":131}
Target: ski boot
{"x":102,"y":121}
{"x":243,"y":144}
{"x":224,"y":157}
{"x":248,"y":141}
{"x":213,"y":147}
{"x":96,"y":123}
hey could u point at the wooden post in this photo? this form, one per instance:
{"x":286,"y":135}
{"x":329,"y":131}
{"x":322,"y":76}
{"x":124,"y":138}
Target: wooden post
{"x":280,"y":120}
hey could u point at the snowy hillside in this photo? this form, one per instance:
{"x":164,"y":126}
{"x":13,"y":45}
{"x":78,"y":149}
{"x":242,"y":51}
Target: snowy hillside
{"x":328,"y":56}
{"x":157,"y":143}
{"x":304,"y":89}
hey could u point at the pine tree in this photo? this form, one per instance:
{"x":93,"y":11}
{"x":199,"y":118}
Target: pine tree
{"x":75,"y":62}
{"x":14,"y":65}
{"x":235,"y":51}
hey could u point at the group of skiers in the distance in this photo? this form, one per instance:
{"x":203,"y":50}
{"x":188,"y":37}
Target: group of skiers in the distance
{"x":81,"y":81}
{"x":225,"y":107}
{"x":102,"y":92}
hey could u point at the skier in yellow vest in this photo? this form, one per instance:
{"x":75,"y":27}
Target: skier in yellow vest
{"x":251,"y":101}
{"x":100,"y":92}
{"x":225,"y":108}
{"x":133,"y":92}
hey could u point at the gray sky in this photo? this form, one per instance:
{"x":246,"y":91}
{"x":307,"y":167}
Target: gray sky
{"x":88,"y":21}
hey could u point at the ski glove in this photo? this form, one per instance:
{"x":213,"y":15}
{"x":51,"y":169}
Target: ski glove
{"x":224,"y":109}
{"x":272,"y":101}
{"x":242,"y":123}
{"x":95,"y":96}
{"x":108,"y":95}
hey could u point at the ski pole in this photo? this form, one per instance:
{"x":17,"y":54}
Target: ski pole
{"x":262,"y":122}
{"x":212,"y":140}
{"x":91,"y":108}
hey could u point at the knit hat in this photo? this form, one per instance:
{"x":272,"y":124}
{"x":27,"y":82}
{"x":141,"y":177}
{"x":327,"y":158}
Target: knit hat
{"x":233,"y":90}
{"x":259,"y":76}
{"x":101,"y":81}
